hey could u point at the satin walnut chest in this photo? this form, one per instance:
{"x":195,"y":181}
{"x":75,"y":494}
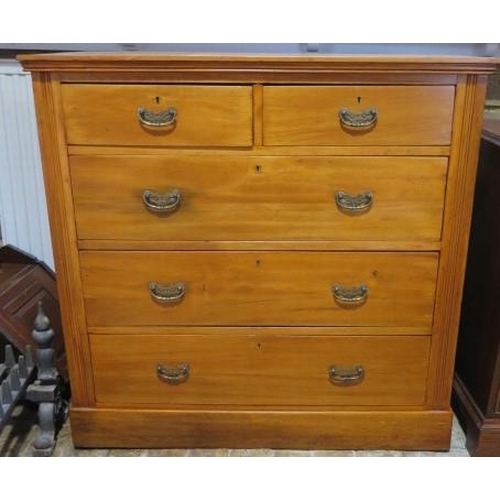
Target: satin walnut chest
{"x":260,"y":251}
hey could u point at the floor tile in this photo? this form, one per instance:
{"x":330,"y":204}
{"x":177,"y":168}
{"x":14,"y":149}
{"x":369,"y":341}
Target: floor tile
{"x":292,"y":453}
{"x":333,"y":453}
{"x":378,"y":453}
{"x":174,"y":452}
{"x":257,"y":452}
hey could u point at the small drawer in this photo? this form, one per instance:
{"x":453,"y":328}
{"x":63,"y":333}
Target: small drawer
{"x":259,"y":288}
{"x":358,"y":115}
{"x":234,"y":369}
{"x":158,"y":115}
{"x":212,"y":198}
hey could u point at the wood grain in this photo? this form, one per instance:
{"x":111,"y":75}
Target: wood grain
{"x":259,"y":288}
{"x":318,"y":331}
{"x":259,"y":370}
{"x":257,"y":114}
{"x":303,"y":245}
{"x":372,"y":150}
{"x":259,"y":198}
{"x":206,"y":115}
{"x":358,"y":67}
{"x":407,"y":115}
{"x":62,"y":225}
{"x":313,"y":430}
{"x":249,"y":275}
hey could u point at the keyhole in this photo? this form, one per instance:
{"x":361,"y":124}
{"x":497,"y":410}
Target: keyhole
{"x":258,"y":169}
{"x":359,"y":99}
{"x":157,"y":100}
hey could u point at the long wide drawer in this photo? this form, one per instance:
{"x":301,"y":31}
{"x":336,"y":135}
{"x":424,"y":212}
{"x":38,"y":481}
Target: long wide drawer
{"x":259,"y":370}
{"x":192,"y":197}
{"x":358,"y":115}
{"x":158,"y":115}
{"x":259,"y":288}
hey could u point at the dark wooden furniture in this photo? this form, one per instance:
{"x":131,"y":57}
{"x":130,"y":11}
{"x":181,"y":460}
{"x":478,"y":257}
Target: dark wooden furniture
{"x":477,"y":372}
{"x":28,"y":296}
{"x":24,"y":282}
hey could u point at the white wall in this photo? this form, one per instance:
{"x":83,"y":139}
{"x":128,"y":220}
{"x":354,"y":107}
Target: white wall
{"x":23,"y":212}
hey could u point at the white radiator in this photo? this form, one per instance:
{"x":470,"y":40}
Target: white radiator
{"x":23,"y":211}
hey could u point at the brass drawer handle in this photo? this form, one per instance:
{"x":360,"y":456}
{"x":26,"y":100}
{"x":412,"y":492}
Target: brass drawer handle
{"x":161,"y":203}
{"x":354,"y":203}
{"x":164,"y":118}
{"x":173,"y":375}
{"x":343,"y":376}
{"x":355,"y":295}
{"x":361,"y":120}
{"x":169,"y":293}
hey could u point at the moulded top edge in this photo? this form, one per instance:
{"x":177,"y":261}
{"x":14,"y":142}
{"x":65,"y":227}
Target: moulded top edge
{"x":118,"y":61}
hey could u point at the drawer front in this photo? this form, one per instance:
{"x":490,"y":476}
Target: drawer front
{"x":204,"y":115}
{"x":259,"y":370}
{"x":259,"y":288}
{"x":259,"y":198}
{"x":405,"y":115}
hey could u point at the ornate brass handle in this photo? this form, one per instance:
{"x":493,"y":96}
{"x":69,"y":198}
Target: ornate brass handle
{"x":164,"y":118}
{"x":161,"y":203}
{"x":355,"y":295}
{"x":351,"y":375}
{"x":169,"y":293}
{"x":361,"y":120}
{"x":172,"y":375}
{"x":354,"y":202}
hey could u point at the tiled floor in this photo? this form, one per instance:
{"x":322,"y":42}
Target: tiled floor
{"x":17,"y":437}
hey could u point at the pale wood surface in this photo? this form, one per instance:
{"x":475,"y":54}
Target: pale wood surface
{"x":62,"y":226}
{"x":258,"y":64}
{"x":257,"y":115}
{"x":318,"y":151}
{"x":17,"y":437}
{"x":391,"y":429}
{"x":328,"y":331}
{"x":258,"y":198}
{"x":308,"y":115}
{"x":248,"y":75}
{"x":206,"y":115}
{"x":267,"y":286}
{"x":304,"y":245}
{"x":259,"y":288}
{"x":259,"y":370}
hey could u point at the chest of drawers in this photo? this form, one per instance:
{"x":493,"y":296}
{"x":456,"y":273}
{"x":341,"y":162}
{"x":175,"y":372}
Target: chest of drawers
{"x":259,"y":251}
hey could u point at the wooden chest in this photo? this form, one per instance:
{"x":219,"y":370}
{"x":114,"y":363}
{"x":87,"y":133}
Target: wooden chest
{"x":260,"y":251}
